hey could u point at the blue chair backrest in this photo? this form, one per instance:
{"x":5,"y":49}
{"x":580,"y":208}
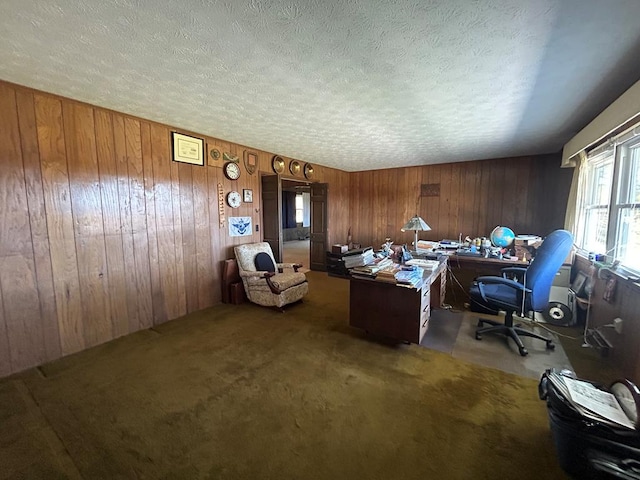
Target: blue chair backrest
{"x":548,"y":260}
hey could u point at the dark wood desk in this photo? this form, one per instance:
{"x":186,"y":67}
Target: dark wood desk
{"x":467,"y":268}
{"x":394,"y":311}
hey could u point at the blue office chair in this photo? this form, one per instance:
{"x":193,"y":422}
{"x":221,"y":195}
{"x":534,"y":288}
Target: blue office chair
{"x":528,"y":292}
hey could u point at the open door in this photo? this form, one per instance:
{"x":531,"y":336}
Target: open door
{"x":318,"y":233}
{"x":272,"y":214}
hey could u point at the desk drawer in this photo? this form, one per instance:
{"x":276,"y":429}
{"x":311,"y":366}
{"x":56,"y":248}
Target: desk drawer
{"x":426,"y":297}
{"x":424,"y":321}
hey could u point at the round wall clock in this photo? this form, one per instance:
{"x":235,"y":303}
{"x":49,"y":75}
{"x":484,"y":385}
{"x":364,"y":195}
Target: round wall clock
{"x":233,"y":199}
{"x":232,"y":170}
{"x":294,"y":167}
{"x":308,"y":171}
{"x":278,"y":164}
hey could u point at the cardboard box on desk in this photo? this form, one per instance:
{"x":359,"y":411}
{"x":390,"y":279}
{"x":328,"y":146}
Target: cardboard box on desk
{"x":525,"y":246}
{"x":339,"y":248}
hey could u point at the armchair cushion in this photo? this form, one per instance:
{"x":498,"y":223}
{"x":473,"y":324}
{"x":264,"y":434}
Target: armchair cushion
{"x":264,"y":262}
{"x":282,"y":281}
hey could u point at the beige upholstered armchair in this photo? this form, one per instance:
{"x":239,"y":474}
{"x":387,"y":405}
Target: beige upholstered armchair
{"x":266,"y":282}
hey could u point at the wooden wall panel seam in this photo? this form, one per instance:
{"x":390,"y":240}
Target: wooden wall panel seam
{"x":38,"y":224}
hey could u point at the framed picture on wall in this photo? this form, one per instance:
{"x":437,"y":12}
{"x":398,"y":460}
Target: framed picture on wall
{"x":247,"y":195}
{"x":187,"y":149}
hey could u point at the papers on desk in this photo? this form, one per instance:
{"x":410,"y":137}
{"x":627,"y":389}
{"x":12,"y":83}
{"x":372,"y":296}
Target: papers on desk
{"x":591,"y":402}
{"x":423,"y":263}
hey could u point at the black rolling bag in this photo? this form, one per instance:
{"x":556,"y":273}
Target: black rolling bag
{"x":588,"y":449}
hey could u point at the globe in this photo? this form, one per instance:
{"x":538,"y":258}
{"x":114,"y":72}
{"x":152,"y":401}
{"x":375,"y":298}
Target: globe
{"x":502,"y":236}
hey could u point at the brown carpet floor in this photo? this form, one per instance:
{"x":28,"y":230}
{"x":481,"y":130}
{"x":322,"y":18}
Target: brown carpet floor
{"x":245,"y":392}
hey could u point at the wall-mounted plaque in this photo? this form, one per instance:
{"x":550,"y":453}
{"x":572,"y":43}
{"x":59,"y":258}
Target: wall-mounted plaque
{"x":187,"y":149}
{"x":250,"y":161}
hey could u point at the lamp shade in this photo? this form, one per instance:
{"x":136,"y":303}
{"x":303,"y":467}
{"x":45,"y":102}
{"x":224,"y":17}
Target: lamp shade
{"x":417,"y":224}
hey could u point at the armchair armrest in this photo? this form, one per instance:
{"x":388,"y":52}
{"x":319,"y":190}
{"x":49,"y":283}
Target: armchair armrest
{"x":272,"y":287}
{"x":258,"y":274}
{"x":295,"y":266}
{"x":262,"y":274}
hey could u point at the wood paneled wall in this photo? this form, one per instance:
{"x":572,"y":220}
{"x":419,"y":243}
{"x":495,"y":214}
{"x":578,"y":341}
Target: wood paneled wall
{"x":101,"y":234}
{"x":527,"y":194}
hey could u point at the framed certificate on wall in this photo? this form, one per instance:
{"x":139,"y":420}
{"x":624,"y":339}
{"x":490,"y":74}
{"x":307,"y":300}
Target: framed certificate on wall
{"x":188,"y":149}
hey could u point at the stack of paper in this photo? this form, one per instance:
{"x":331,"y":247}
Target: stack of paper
{"x":373,"y":268}
{"x":388,"y":274}
{"x":358,"y":260}
{"x":410,"y":278}
{"x":591,"y":402}
{"x":422,"y":263}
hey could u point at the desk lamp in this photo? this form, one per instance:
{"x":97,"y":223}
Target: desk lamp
{"x":416,"y":224}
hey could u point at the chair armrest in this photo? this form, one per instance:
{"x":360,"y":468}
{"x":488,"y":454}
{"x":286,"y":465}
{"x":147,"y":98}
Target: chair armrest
{"x":513,"y":270}
{"x":481,"y":281}
{"x":272,"y":287}
{"x":503,"y":281}
{"x":295,"y":266}
{"x":259,"y":274}
{"x":262,"y":274}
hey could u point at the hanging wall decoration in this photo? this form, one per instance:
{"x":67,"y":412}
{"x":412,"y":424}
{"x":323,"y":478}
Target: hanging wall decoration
{"x":187,"y":149}
{"x":227,"y":157}
{"x":221,"y":211}
{"x":277,"y":164}
{"x":308,"y":171}
{"x":239,"y":226}
{"x":250,"y":161}
{"x":294,"y":167}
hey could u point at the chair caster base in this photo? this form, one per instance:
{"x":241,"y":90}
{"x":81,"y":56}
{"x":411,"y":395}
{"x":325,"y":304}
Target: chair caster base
{"x":523,"y":351}
{"x":550,"y":346}
{"x":478,"y":336}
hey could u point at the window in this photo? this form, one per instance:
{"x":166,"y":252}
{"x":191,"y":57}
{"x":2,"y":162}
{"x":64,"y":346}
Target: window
{"x":299,"y":208}
{"x":609,"y":213}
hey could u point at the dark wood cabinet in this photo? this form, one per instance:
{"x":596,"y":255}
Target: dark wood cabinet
{"x":396,"y":311}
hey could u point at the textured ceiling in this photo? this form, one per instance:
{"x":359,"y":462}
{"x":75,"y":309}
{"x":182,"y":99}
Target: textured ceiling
{"x":355,"y":85}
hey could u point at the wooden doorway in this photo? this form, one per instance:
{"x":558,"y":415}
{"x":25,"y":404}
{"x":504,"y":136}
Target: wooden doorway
{"x":296,"y":242}
{"x":296,"y":221}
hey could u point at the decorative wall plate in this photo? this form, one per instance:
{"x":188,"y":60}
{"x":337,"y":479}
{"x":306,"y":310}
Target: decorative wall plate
{"x":215,"y":153}
{"x":278,"y":164}
{"x":294,"y":167}
{"x":308,"y":171}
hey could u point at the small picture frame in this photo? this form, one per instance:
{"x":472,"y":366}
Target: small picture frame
{"x":187,"y":149}
{"x":579,"y":284}
{"x":247,"y":195}
{"x":609,"y":294}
